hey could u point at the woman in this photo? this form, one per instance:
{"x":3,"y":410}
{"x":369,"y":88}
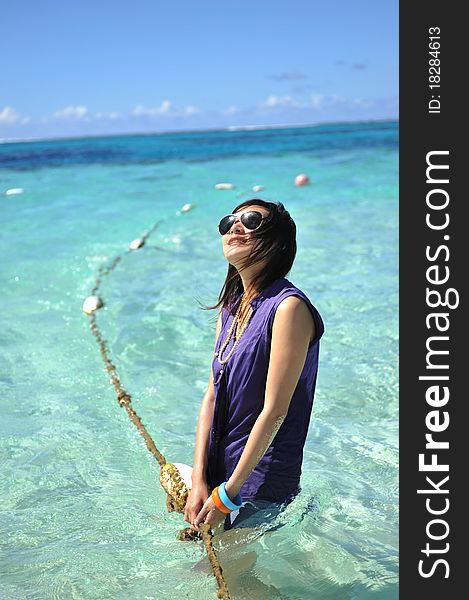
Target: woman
{"x":254,"y":416}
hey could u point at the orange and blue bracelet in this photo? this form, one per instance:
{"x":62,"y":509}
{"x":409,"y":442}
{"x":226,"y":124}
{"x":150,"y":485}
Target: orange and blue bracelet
{"x":234,"y":504}
{"x":218,"y":503}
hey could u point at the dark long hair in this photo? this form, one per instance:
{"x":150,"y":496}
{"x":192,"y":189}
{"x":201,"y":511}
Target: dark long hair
{"x":275,"y":241}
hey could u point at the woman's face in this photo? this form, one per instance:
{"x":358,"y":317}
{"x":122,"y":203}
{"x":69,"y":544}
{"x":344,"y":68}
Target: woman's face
{"x":238,"y":241}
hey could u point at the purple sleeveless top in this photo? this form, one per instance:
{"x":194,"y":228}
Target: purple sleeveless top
{"x":239,"y":398}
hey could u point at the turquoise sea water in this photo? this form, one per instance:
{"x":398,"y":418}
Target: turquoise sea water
{"x":83,"y":515}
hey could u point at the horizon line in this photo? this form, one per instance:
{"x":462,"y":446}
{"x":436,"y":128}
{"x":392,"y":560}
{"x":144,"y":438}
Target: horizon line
{"x":229,"y":128}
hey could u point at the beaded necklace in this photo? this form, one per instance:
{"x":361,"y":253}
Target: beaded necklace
{"x":226,"y":341}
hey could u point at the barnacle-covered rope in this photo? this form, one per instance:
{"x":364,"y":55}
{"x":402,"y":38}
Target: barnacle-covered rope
{"x":170,"y":477}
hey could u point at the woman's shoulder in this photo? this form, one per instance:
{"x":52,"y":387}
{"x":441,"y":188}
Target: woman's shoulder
{"x":288,"y":290}
{"x":291,"y":298}
{"x":291,"y":303}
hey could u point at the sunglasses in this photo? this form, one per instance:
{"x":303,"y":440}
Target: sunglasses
{"x":251,"y":219}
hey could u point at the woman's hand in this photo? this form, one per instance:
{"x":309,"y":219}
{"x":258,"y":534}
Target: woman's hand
{"x":196,"y":499}
{"x":209,"y":514}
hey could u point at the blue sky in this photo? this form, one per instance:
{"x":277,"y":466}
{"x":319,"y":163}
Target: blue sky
{"x":104,"y":67}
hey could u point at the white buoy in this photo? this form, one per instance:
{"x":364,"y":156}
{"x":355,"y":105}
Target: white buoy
{"x":301,"y":179}
{"x":91,"y":304}
{"x":224,"y":186}
{"x":136,"y":244}
{"x":186,"y":473}
{"x":257,"y":188}
{"x":187,"y":207}
{"x":14,"y":191}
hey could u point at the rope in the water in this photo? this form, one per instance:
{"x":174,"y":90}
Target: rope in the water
{"x":125,"y":400}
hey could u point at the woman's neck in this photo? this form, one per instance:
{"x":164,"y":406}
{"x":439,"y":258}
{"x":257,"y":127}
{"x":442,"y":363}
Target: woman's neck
{"x":250,"y":291}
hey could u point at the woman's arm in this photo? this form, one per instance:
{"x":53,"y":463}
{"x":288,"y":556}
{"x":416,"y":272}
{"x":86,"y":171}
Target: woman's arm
{"x":292,"y":331}
{"x":204,"y":423}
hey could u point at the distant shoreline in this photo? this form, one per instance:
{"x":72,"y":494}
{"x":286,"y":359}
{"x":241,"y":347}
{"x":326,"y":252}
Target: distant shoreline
{"x":228,"y":129}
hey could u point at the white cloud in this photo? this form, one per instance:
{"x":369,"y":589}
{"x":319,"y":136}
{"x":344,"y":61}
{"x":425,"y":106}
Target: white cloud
{"x":273,"y":101}
{"x":363,"y":102}
{"x":191,"y":110}
{"x":110,"y":115}
{"x":165,"y":106}
{"x":313,"y":106}
{"x":72,"y":112}
{"x":231,"y":110}
{"x":317,"y":100}
{"x":9,"y":116}
{"x":142,"y":111}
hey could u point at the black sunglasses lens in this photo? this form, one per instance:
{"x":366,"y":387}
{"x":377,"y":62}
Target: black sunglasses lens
{"x":251,"y":219}
{"x":225,"y":224}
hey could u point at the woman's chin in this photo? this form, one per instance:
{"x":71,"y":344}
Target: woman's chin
{"x":237,"y":250}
